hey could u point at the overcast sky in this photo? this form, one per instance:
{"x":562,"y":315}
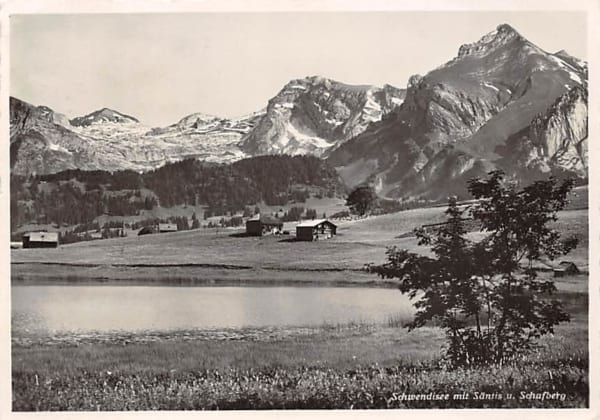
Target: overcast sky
{"x":160,"y":68}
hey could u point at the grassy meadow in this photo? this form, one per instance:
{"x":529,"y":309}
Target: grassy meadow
{"x":355,"y":366}
{"x":226,"y":256}
{"x":330,"y":366}
{"x":213,"y":255}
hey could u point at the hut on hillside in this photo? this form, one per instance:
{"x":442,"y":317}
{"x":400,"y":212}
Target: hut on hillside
{"x":167,"y":227}
{"x":146,"y":230}
{"x":263,"y":225}
{"x":313,"y":230}
{"x":40,"y":240}
{"x":565,"y":268}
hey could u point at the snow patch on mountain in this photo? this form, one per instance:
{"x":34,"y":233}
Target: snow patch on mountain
{"x":397,"y":101}
{"x":58,"y":148}
{"x":491,"y":86}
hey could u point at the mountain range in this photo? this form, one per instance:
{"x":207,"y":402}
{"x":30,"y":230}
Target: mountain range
{"x":43,"y":141}
{"x":309,"y":116}
{"x":502,"y":102}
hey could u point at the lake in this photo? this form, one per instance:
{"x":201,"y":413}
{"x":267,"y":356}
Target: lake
{"x":102,"y":308}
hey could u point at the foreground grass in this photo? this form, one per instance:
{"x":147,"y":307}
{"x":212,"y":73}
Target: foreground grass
{"x":562,"y":383}
{"x":375,"y":367}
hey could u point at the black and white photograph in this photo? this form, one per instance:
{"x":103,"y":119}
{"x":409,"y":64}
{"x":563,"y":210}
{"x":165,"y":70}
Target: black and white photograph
{"x":317,"y":208}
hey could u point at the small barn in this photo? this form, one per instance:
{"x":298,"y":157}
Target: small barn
{"x":313,"y":230}
{"x":40,"y":240}
{"x":146,"y":230}
{"x":565,"y":268}
{"x":167,"y":227}
{"x":263,"y":225}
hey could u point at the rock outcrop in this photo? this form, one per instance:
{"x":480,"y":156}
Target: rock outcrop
{"x":315,"y":115}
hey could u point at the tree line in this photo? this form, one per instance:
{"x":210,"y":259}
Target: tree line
{"x":76,"y":196}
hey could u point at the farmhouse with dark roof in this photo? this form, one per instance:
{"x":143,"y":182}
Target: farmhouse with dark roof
{"x":263,"y":225}
{"x":313,"y":230}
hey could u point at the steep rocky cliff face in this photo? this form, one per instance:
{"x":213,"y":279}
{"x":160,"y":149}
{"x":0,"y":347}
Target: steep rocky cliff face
{"x":561,"y":134}
{"x":315,"y":114}
{"x":40,"y":141}
{"x":457,"y":121}
{"x":556,"y":140}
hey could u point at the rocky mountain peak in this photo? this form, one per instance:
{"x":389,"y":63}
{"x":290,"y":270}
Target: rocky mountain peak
{"x":104,"y":115}
{"x":317,"y":79}
{"x":503,"y":35}
{"x":196,"y":120}
{"x":315,"y":114}
{"x":22,"y":113}
{"x":414,"y":81}
{"x":505,"y":28}
{"x":465,"y":118}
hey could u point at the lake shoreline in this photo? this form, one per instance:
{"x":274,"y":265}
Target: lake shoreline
{"x":575,"y":303}
{"x":249,"y":334}
{"x":45,"y":273}
{"x":210,"y":275}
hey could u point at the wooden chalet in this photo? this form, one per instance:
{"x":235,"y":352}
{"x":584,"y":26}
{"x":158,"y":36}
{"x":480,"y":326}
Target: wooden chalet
{"x":167,"y":227}
{"x":565,"y":268}
{"x":313,"y":230}
{"x":263,"y":225}
{"x":40,"y":240}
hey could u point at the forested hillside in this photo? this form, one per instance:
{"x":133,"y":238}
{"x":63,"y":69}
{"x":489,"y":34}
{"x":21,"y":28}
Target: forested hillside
{"x":74,"y":197}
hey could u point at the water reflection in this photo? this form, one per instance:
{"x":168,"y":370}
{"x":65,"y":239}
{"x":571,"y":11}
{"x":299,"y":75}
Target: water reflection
{"x":135,"y":308}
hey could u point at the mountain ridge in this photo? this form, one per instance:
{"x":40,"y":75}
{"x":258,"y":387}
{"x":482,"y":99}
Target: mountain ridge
{"x":111,"y":140}
{"x":455,"y":119}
